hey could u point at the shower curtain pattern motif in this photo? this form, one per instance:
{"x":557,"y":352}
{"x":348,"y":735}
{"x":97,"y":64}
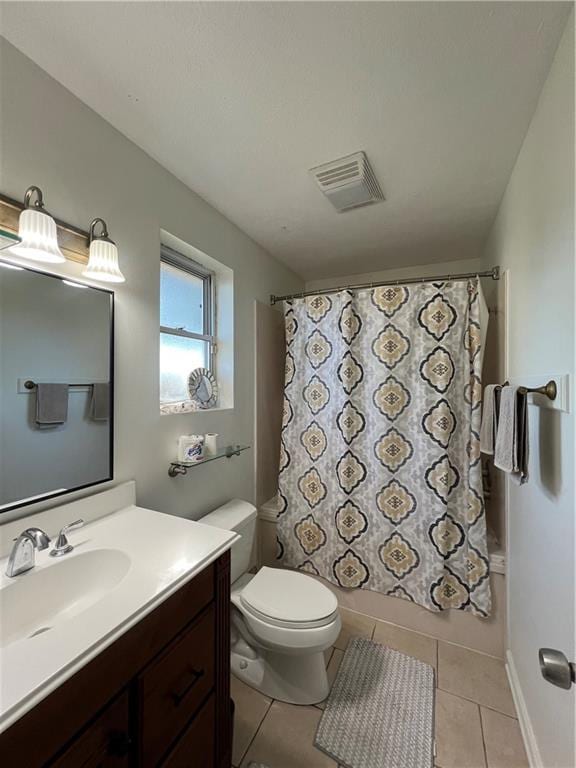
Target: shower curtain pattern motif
{"x":380,"y":476}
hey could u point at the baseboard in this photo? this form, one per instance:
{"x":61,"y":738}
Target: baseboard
{"x":528,"y":736}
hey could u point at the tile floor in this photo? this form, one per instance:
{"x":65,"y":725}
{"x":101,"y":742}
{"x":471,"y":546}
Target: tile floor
{"x":476,"y":725}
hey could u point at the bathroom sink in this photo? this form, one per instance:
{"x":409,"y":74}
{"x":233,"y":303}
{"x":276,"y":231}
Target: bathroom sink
{"x":45,"y":597}
{"x":62,"y":613}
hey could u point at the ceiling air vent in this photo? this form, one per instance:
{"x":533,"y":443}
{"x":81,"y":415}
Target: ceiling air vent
{"x":348,"y":182}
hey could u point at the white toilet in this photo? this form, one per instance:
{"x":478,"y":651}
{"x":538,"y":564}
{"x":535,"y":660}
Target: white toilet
{"x":282,"y":621}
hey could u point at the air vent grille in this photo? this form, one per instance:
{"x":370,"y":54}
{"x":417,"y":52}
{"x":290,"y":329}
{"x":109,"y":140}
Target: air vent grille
{"x":348,"y":182}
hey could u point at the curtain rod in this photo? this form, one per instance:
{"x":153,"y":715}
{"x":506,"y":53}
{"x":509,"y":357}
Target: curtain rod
{"x":494,"y":273}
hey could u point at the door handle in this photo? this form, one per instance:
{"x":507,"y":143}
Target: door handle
{"x":556,"y":668}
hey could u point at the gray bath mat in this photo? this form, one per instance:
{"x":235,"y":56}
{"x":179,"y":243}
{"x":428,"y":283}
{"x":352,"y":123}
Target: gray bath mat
{"x":380,"y":711}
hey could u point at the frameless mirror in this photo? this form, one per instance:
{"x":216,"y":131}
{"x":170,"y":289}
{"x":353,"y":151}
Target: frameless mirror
{"x":56,"y":386}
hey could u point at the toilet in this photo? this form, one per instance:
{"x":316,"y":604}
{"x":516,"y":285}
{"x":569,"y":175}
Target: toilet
{"x":282,"y":621}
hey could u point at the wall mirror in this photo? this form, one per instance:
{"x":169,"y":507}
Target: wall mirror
{"x":56,"y":386}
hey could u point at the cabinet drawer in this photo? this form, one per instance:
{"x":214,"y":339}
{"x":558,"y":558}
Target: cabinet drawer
{"x":105,"y":742}
{"x":195,"y":748}
{"x":174,"y":687}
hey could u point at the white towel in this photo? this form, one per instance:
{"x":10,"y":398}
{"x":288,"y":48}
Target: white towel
{"x":489,"y":424}
{"x":511,"y":449}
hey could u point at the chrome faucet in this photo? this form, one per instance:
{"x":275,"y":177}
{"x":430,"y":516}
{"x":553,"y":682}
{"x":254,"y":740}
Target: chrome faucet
{"x":23,"y":555}
{"x":63,"y":546}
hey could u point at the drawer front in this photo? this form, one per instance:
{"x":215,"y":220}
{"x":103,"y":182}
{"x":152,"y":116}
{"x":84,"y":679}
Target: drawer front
{"x":105,"y":743}
{"x":174,"y":687}
{"x":195,"y":748}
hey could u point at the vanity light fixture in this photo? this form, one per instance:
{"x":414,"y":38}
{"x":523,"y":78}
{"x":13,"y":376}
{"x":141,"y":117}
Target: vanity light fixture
{"x":103,"y":257}
{"x":37,"y":231}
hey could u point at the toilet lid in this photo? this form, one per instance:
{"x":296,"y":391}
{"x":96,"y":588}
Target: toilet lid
{"x":288,"y":596}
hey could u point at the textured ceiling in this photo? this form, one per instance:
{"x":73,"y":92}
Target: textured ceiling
{"x":239,"y":100}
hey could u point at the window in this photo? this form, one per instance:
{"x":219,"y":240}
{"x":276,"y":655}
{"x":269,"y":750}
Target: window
{"x":187,"y":333}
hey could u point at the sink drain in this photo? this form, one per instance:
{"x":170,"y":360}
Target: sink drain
{"x":39,"y":632}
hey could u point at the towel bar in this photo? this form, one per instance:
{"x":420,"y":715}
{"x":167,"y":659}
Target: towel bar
{"x":549,"y":389}
{"x":29,"y":384}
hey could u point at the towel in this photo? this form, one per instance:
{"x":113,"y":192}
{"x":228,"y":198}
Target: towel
{"x":51,"y":404}
{"x":511,"y":449}
{"x":489,"y":426}
{"x":100,"y":405}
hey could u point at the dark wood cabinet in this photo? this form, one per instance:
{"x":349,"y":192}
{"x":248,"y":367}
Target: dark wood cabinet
{"x":157,"y":697}
{"x":106,"y":743}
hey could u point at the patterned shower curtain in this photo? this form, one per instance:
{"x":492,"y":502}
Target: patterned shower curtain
{"x":380,"y":475}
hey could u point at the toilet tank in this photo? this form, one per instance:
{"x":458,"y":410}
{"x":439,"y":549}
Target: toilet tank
{"x":239,"y":516}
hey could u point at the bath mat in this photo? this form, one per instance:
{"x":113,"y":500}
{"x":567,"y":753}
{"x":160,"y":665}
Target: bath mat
{"x":257,"y":765}
{"x":380,"y":711}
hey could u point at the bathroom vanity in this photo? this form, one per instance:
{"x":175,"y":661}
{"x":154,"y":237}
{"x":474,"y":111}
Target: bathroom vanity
{"x":132,"y":666}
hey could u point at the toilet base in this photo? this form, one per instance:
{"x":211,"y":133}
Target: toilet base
{"x":293,"y":679}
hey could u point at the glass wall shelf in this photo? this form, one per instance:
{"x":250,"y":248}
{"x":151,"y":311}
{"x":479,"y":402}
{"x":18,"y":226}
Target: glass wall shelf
{"x":181,"y":467}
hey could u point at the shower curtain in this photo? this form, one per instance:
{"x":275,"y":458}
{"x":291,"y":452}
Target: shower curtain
{"x":380,"y":477}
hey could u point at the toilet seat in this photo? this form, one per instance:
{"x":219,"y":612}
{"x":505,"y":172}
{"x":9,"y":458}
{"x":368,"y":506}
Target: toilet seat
{"x":288,"y":599}
{"x":288,"y":624}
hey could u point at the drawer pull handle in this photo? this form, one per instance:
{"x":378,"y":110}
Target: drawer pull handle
{"x":179,"y":696}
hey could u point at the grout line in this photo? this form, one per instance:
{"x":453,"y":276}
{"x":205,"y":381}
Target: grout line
{"x":478,"y":703}
{"x":467,"y":648}
{"x":497,"y":711}
{"x":257,"y":731}
{"x":483,"y":736}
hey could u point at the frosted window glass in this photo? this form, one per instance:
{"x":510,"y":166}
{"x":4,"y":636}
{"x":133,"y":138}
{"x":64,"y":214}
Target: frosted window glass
{"x":181,"y":299}
{"x":179,"y":356}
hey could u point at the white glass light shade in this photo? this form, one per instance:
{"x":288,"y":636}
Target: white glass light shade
{"x":39,"y":237}
{"x":103,"y":262}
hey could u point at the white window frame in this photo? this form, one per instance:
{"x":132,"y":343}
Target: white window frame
{"x":184,"y":264}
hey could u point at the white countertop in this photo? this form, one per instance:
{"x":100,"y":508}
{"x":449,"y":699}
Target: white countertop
{"x":156,"y":554}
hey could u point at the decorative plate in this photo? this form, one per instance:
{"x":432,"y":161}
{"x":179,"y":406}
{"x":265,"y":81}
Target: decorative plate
{"x":202,"y":388}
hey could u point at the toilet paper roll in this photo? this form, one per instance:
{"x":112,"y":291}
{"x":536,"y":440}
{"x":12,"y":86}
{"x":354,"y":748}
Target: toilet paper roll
{"x":210,"y":443}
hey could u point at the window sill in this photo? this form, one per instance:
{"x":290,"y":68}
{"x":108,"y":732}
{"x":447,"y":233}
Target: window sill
{"x":188,"y":406}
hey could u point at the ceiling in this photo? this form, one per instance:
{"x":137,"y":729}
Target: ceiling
{"x":239,"y":100}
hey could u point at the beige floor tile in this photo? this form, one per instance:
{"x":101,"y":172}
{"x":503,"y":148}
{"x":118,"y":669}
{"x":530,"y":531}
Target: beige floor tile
{"x":411,"y":643}
{"x":458,"y":733}
{"x":286,"y":739}
{"x":503,"y":741}
{"x":353,"y":624}
{"x":251,"y":708}
{"x":333,"y":668}
{"x":328,"y":654}
{"x":474,"y":676}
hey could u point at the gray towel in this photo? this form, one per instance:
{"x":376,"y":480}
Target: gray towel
{"x":511,"y":449}
{"x":51,"y":404}
{"x":490,"y":407}
{"x":100,"y":405}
